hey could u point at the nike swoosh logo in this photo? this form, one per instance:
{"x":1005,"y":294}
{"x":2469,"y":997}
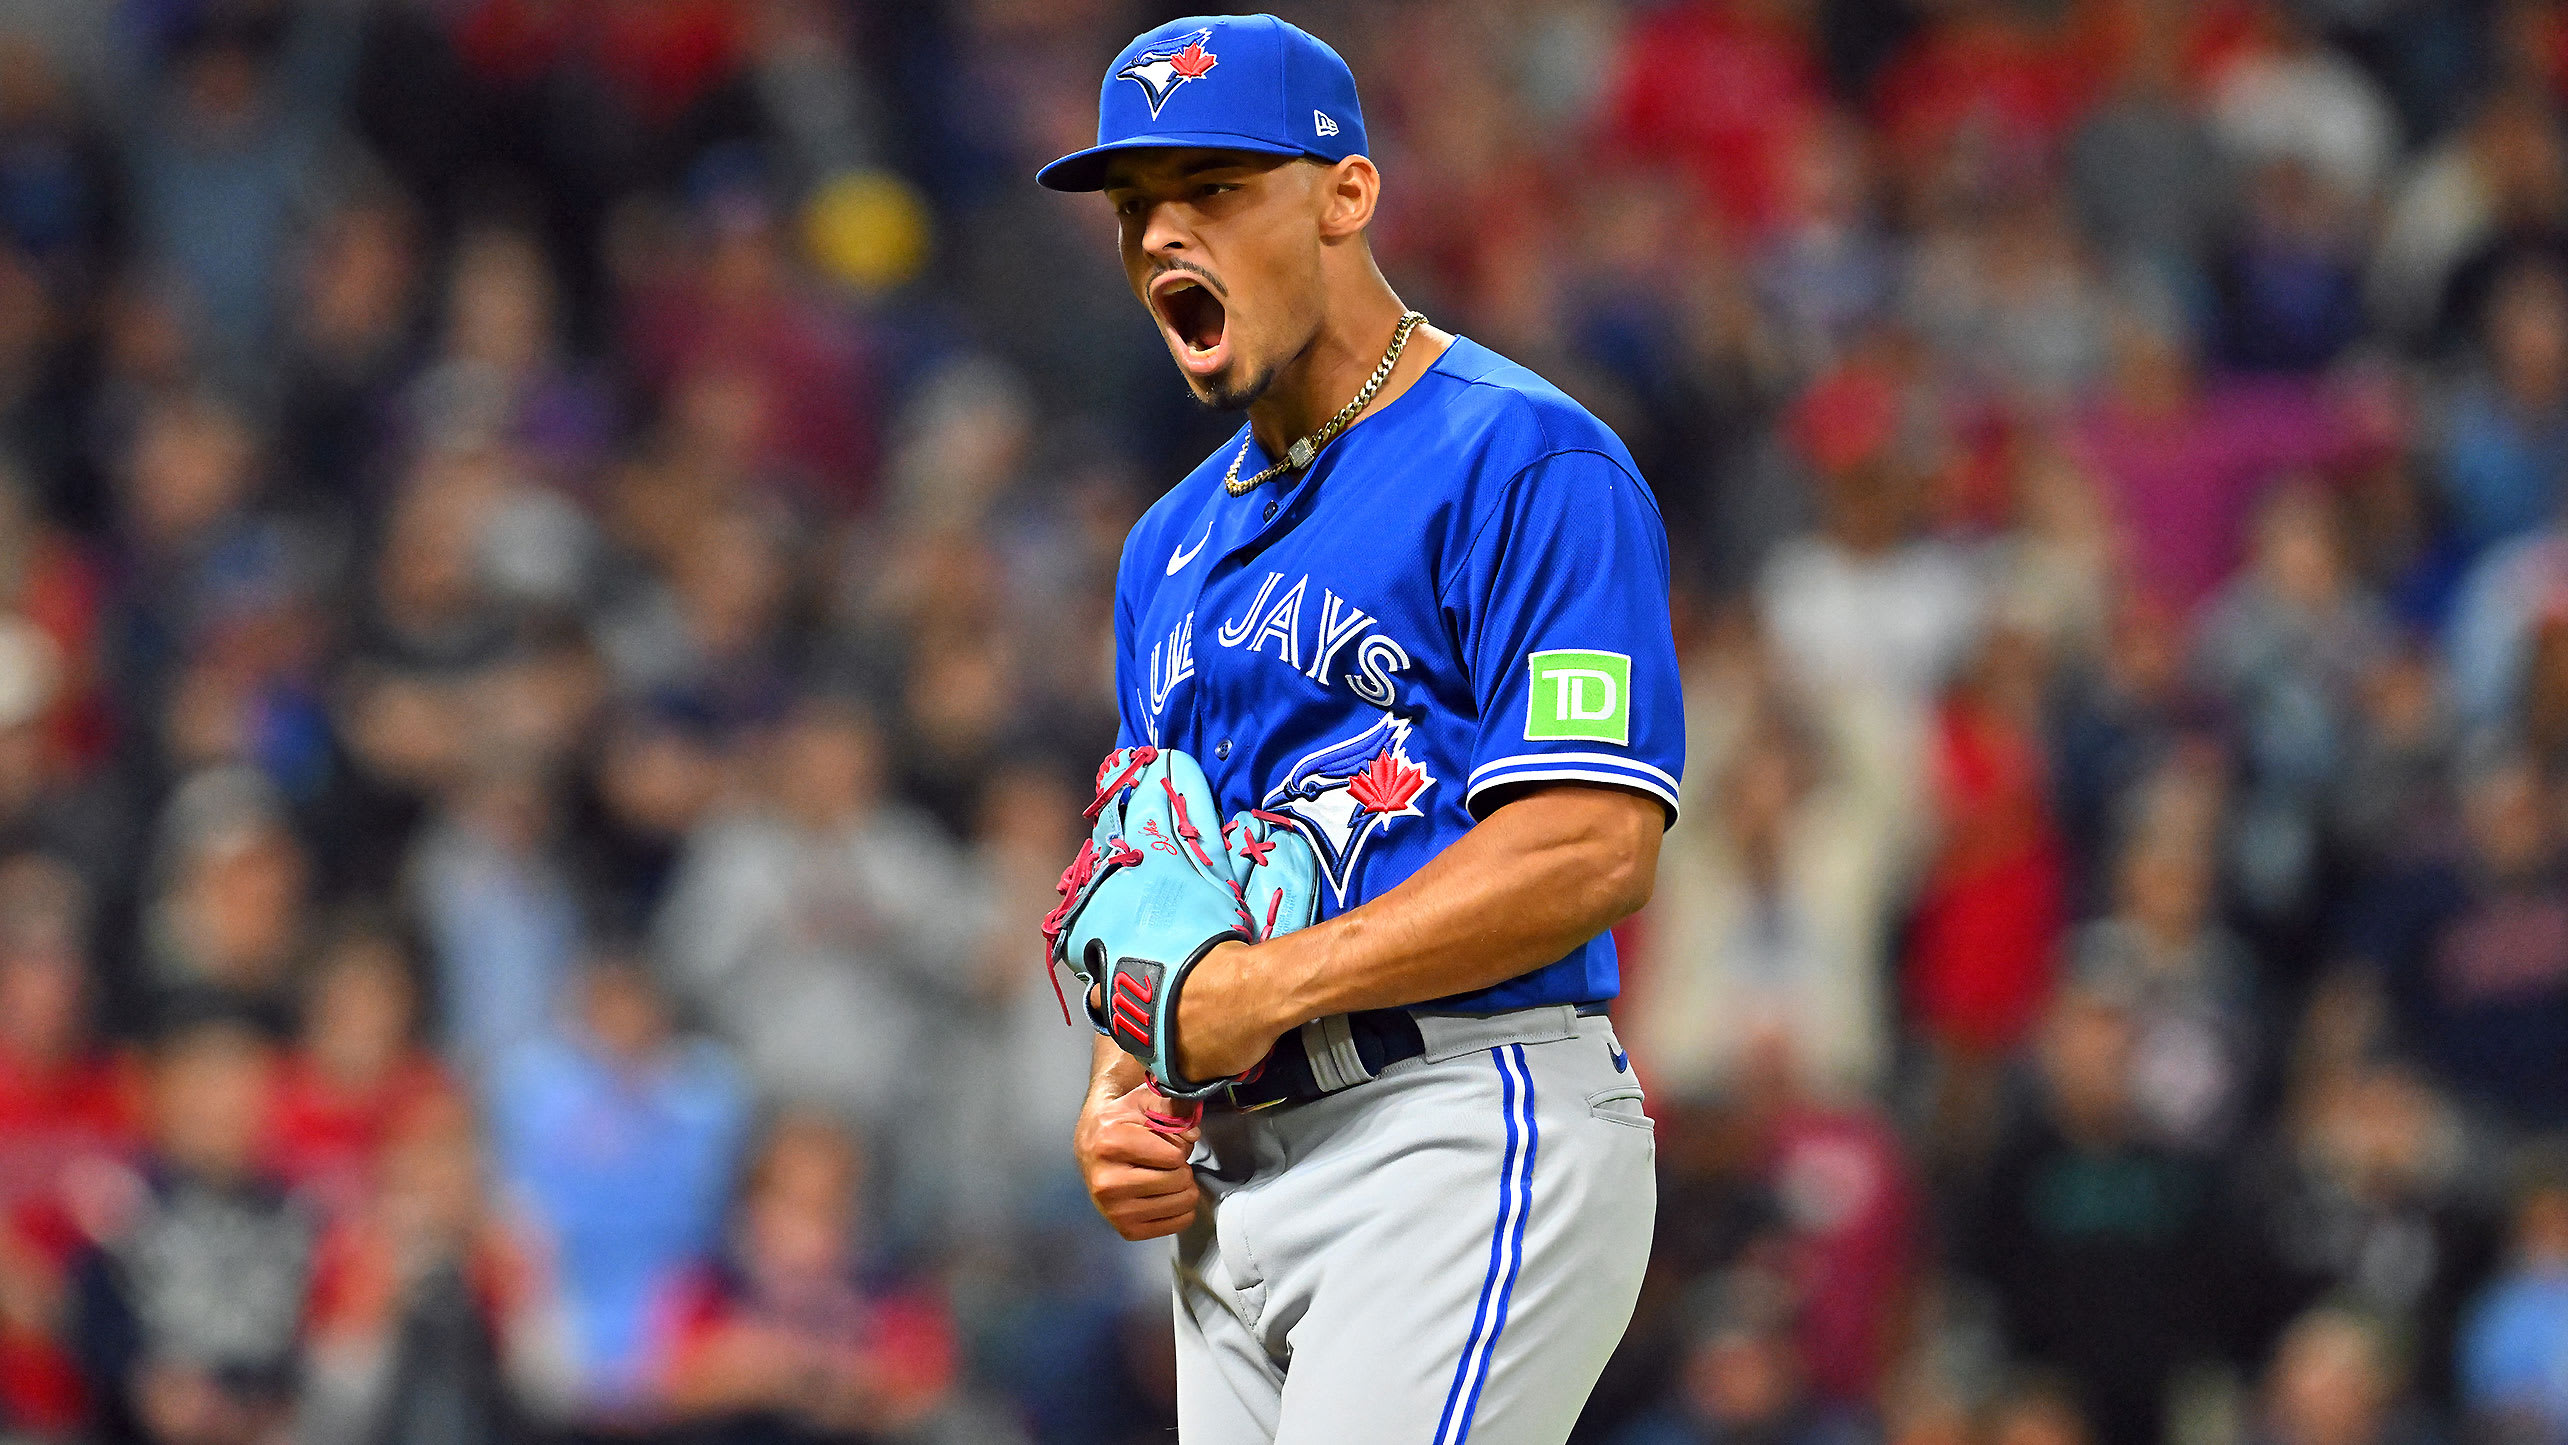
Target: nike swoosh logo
{"x":1178,"y":559}
{"x":1622,"y":1061}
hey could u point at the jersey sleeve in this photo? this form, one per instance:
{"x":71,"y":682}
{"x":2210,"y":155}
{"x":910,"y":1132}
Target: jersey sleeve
{"x":1561,"y":608}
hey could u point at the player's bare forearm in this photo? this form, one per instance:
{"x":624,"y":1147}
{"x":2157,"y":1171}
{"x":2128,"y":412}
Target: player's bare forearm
{"x":1536,"y":878}
{"x":1112,"y":1073}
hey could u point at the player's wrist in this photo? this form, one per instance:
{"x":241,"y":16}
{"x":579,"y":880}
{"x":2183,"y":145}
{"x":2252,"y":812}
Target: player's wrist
{"x":1222,"y":1025}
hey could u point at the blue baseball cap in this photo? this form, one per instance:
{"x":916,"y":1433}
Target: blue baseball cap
{"x":1227,"y":82}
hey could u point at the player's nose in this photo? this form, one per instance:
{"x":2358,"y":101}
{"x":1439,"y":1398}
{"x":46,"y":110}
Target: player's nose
{"x":1164,"y":231}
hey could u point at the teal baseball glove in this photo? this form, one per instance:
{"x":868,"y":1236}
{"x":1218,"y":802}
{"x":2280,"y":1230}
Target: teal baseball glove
{"x":1150,"y":893}
{"x":1277,"y":873}
{"x":1153,"y":890}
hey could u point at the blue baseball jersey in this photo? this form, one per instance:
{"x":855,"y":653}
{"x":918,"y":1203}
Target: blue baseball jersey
{"x":1466,"y":590}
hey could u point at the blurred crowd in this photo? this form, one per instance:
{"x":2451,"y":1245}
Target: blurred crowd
{"x":554,"y":565}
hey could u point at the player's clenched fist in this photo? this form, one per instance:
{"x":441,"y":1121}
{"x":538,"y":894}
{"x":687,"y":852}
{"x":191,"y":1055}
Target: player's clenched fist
{"x":1136,"y":1174}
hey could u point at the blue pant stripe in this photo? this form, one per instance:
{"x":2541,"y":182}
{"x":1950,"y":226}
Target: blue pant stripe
{"x":1515,"y":1246}
{"x":1497,"y":1243}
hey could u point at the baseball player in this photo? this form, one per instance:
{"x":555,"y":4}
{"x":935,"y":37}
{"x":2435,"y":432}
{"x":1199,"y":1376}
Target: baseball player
{"x":1408,"y":632}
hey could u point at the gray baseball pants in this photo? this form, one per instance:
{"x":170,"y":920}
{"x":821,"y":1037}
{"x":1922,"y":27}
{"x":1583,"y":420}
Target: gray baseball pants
{"x":1445,"y":1254}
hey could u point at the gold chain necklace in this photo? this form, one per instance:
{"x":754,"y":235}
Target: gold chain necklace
{"x":1301,"y":452}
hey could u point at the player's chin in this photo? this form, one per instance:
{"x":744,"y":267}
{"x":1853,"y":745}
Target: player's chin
{"x":1231,"y":387}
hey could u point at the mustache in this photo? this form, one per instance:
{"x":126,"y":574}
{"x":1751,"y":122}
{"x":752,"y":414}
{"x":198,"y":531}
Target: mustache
{"x":1191,"y":269}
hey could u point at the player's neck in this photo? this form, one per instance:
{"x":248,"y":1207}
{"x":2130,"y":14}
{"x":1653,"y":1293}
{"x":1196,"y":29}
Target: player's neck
{"x":1327,"y":374}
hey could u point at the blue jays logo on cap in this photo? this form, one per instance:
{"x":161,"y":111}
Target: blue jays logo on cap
{"x":1162,"y":68}
{"x":1278,"y":90}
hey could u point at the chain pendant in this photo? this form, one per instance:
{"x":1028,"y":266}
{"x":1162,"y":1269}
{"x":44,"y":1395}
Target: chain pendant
{"x":1303,"y":451}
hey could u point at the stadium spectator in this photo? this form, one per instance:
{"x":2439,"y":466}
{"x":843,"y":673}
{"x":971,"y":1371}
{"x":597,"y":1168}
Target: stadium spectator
{"x":2191,"y":984}
{"x":70,"y":1124}
{"x":2360,"y":1200}
{"x":2336,"y":1380}
{"x":356,"y":1068}
{"x":1845,"y":1233}
{"x":230,"y":155}
{"x":2037,"y":1409}
{"x":1014,"y":1106}
{"x":793,"y":1333}
{"x":1771,"y":925}
{"x":2289,"y":280}
{"x":617,"y":1136}
{"x":2505,"y":434}
{"x":1743,"y":1378}
{"x":229,"y":907}
{"x":1871,"y":600}
{"x":495,"y":901}
{"x":2150,"y":182}
{"x":350,"y":338}
{"x":188,"y":1311}
{"x":2464,"y":942}
{"x":2079,"y":1200}
{"x":2285,"y":647}
{"x":1984,"y":939}
{"x":2183,"y":457}
{"x":1728,"y":91}
{"x":498,"y":376}
{"x":2512,"y":1386}
{"x":824,"y":927}
{"x":432,"y":1320}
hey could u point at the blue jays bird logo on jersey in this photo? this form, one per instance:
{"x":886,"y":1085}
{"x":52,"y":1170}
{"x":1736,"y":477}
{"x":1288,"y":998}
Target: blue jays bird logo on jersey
{"x":1162,"y":68}
{"x":1341,"y":795}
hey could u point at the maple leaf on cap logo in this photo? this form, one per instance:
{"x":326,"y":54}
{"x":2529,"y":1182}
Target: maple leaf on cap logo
{"x":1164,"y":68}
{"x":1387,"y":784}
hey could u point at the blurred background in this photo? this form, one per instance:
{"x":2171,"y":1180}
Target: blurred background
{"x":554,"y":566}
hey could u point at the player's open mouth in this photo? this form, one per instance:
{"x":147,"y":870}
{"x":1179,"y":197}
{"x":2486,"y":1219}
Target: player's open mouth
{"x":1196,"y":317}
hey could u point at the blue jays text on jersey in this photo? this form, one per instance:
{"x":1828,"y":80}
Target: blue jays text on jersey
{"x":1465,"y":591}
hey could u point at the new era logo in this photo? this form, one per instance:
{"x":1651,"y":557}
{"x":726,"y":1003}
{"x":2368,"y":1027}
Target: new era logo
{"x":1320,"y":122}
{"x":1580,"y":695}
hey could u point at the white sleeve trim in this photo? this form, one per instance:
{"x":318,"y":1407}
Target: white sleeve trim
{"x":1633,"y":781}
{"x":1611,"y":760}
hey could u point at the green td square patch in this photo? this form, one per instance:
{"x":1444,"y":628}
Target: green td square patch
{"x":1580,"y":696}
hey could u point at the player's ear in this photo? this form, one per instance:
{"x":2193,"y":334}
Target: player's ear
{"x":1349,"y":190}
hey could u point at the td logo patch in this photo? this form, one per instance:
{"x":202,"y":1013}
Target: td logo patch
{"x":1580,"y":697}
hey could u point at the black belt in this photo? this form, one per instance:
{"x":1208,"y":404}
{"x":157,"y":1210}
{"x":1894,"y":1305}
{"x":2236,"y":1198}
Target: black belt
{"x":1382,"y":1037}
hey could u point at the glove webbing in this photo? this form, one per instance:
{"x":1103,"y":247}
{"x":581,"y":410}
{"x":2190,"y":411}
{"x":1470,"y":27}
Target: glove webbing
{"x":1072,"y":887}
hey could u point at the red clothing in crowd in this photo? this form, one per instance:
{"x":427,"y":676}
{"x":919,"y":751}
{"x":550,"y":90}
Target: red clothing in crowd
{"x":58,"y":1128}
{"x":1851,"y":1208}
{"x":60,"y":591}
{"x":359,"y":1274}
{"x":662,"y":56}
{"x":900,"y":1341}
{"x":1727,"y":90}
{"x":324,"y":1140}
{"x":1990,"y":917}
{"x":2010,"y":83}
{"x":801,"y":359}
